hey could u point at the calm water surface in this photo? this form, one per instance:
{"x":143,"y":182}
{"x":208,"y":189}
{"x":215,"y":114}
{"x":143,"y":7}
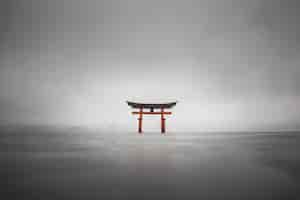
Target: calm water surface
{"x":52,"y":163}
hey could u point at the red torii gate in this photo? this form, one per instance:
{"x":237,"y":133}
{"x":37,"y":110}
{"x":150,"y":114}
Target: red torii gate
{"x":151,"y":106}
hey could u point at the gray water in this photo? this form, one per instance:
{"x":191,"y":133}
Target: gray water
{"x":77,"y":163}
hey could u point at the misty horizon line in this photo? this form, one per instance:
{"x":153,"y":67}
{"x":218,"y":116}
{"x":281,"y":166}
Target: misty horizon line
{"x":117,"y":128}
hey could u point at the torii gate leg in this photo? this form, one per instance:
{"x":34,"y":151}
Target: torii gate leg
{"x":163,"y":125}
{"x":140,"y":120}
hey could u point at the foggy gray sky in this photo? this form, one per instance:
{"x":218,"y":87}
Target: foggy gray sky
{"x":234,"y":62}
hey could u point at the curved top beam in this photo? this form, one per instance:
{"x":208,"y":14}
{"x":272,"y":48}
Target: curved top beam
{"x":151,"y":105}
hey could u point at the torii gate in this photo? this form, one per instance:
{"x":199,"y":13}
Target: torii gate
{"x":151,"y":106}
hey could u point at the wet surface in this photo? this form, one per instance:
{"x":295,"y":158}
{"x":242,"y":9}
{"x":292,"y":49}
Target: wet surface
{"x":53,"y":163}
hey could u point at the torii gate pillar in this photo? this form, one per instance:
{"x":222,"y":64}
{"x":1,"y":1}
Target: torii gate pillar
{"x":163,"y":122}
{"x":140,"y":120}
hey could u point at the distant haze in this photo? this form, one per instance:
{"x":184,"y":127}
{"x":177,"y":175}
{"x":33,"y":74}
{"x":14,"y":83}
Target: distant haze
{"x":233,"y":65}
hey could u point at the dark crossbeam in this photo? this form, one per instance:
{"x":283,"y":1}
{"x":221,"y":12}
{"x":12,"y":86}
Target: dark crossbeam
{"x":151,"y":105}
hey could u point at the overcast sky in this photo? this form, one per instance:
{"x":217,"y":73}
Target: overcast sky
{"x":233,"y":65}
